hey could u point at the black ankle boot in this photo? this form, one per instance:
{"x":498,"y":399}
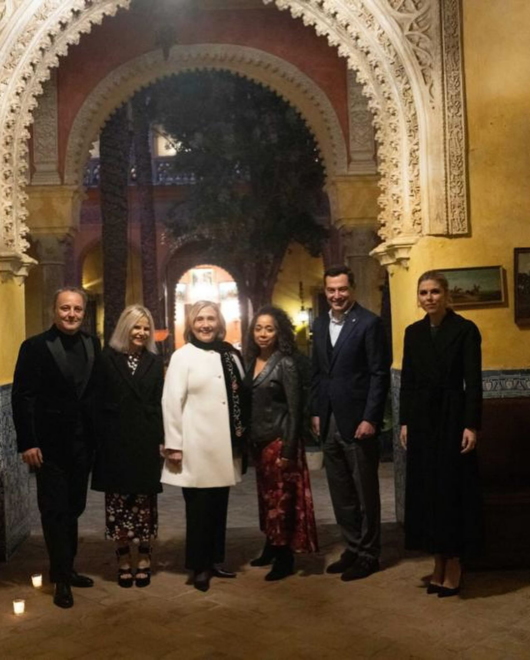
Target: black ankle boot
{"x":283,"y":564}
{"x":267,"y":555}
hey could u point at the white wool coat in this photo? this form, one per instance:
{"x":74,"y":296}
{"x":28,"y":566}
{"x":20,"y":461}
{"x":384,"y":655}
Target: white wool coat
{"x":196,"y":421}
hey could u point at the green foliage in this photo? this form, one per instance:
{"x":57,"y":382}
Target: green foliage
{"x":259,"y":176}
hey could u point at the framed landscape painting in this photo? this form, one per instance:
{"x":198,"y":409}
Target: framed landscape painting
{"x":471,"y":287}
{"x":522,"y":285}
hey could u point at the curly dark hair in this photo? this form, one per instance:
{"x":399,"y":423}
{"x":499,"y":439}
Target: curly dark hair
{"x":284,"y":327}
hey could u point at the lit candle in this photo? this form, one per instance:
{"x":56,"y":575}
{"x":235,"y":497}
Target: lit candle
{"x":19,"y":605}
{"x":36,"y":580}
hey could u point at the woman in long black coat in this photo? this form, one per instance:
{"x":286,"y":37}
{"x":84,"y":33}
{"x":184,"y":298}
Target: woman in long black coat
{"x":130,"y":434}
{"x":440,"y":412}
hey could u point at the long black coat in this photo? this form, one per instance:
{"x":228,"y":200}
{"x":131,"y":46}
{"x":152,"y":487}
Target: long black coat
{"x":129,"y":425}
{"x":48,"y":409}
{"x":441,"y":395}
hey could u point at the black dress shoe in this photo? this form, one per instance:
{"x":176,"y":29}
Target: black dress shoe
{"x":62,"y":596}
{"x":81,"y":581}
{"x":219,"y":572}
{"x":201,"y":580}
{"x":346,"y":561}
{"x":362,"y":568}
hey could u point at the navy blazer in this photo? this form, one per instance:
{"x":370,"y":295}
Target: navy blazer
{"x":353,"y":378}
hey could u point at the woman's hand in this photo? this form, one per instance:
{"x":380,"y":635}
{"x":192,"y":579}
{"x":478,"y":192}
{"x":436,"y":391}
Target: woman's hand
{"x":284,"y":462}
{"x":174,"y":456}
{"x":469,"y":441}
{"x":403,"y":436}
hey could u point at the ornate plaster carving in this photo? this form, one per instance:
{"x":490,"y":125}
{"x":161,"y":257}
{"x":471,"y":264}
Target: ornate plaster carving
{"x":45,"y":147}
{"x":394,"y":45}
{"x":271,"y":71}
{"x":362,"y":138}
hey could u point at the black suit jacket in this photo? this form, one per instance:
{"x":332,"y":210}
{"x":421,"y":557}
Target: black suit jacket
{"x":129,"y":426}
{"x":351,"y":381}
{"x":48,"y":409}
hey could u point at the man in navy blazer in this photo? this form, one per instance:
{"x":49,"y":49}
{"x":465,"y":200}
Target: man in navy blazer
{"x":350,"y":381}
{"x":53,"y":388}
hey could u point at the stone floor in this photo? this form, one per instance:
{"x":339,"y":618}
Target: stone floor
{"x":310,"y":615}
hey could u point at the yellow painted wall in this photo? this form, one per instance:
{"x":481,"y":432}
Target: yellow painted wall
{"x":298,"y":266}
{"x":497,"y":71}
{"x":92,"y":280}
{"x":12,"y":327}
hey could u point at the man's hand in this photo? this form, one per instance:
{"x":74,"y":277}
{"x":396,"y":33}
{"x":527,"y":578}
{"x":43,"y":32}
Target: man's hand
{"x":315,"y":425}
{"x":32,"y":457}
{"x":364,"y":430}
{"x":469,"y":441}
{"x":403,"y":436}
{"x":174,"y":456}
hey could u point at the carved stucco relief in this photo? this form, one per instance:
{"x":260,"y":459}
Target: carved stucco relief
{"x":277,"y":74}
{"x":407,"y":56}
{"x":45,"y":134}
{"x":362,"y":137}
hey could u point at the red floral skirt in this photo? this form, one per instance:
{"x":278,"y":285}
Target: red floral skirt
{"x":286,"y":512}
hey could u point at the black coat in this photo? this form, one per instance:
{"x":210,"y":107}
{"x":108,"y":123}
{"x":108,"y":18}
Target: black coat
{"x":48,"y":409}
{"x":352,"y":378}
{"x":276,"y":403}
{"x":441,"y":395}
{"x":128,"y":425}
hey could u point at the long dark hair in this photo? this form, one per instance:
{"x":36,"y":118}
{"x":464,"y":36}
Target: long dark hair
{"x":284,"y":327}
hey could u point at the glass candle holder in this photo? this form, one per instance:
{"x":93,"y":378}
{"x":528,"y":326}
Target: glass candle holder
{"x":36,"y":580}
{"x":19,"y":606}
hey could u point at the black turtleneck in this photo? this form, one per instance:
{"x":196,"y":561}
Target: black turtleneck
{"x":75,"y":355}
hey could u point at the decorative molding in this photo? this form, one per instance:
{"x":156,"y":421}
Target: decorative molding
{"x":268,"y":70}
{"x":395,"y":46}
{"x":45,"y":137}
{"x":395,"y":251}
{"x":15,"y":266}
{"x":506,"y":383}
{"x":362,"y":138}
{"x":454,"y":111}
{"x":37,"y":34}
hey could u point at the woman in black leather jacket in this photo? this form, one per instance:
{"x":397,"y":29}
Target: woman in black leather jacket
{"x":284,"y":491}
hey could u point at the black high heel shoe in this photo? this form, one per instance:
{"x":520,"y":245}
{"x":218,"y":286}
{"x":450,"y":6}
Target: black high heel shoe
{"x":447,"y":592}
{"x":143,"y":575}
{"x":125,"y":575}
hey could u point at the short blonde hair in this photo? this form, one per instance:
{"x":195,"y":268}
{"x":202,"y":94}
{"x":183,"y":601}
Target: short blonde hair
{"x":194,"y":312}
{"x":128,"y":319}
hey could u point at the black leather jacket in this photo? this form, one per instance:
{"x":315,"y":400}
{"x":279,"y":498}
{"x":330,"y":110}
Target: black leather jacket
{"x":276,"y":404}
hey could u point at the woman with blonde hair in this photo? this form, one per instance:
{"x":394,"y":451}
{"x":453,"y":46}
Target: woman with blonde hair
{"x":130,"y":434}
{"x":440,"y":412}
{"x":205,"y":408}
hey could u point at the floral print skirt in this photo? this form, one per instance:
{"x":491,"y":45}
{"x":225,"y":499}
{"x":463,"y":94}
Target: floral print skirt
{"x":286,"y":510}
{"x":132,"y":518}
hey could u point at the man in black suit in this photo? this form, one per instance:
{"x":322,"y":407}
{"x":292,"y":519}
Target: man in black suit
{"x":52,"y":392}
{"x":350,"y":382}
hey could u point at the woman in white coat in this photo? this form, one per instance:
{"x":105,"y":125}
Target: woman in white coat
{"x":205,"y":409}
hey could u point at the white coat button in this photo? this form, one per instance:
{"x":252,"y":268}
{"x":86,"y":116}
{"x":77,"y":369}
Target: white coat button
{"x":224,"y":403}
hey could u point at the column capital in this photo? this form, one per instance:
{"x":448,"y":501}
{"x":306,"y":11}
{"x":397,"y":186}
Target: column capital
{"x":53,"y":209}
{"x":353,"y":197}
{"x":15,"y":266}
{"x":395,"y":251}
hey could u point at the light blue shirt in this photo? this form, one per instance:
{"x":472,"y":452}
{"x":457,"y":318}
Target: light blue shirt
{"x":336,"y":325}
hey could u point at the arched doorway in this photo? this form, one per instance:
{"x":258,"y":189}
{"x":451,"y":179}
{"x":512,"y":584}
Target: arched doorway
{"x":207,"y":282}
